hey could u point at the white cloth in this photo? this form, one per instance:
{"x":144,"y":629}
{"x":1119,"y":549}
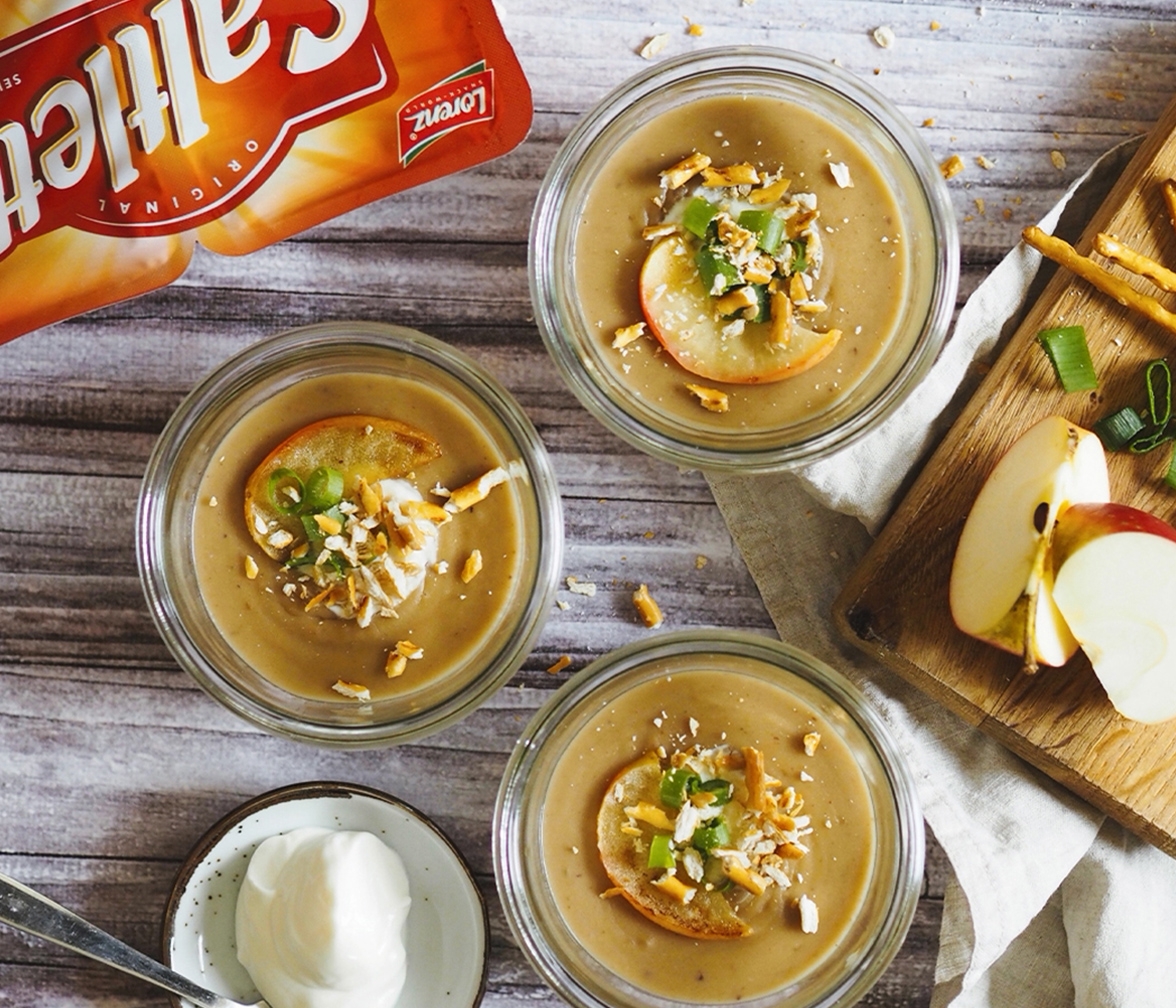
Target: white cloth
{"x":1050,"y":905}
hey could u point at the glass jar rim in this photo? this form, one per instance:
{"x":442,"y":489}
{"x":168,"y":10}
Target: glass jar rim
{"x":251,"y":367}
{"x":582,"y":377}
{"x":590,"y":688}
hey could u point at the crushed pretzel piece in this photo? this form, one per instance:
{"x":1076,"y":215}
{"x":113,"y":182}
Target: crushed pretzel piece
{"x":952,"y":166}
{"x":628,"y":334}
{"x":771,"y":192}
{"x":647,"y":607}
{"x":811,"y":741}
{"x":327,"y":525}
{"x":884,"y":36}
{"x":751,"y":881}
{"x":757,"y":794}
{"x":561,"y":663}
{"x":409,"y":650}
{"x":731,"y":175}
{"x":1057,"y":159}
{"x":681,"y":173}
{"x":709,"y":398}
{"x":985,"y":163}
{"x":673,"y":886}
{"x":476,"y":490}
{"x":425,"y":509}
{"x":251,"y":568}
{"x":353,"y":690}
{"x":395,"y":665}
{"x":471,"y":567}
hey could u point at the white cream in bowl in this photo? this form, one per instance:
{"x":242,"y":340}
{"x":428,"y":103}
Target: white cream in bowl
{"x":320,"y":920}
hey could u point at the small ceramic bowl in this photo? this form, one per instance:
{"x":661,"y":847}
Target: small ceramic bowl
{"x":891,"y":259}
{"x":447,"y":936}
{"x":862,"y":870}
{"x":247,"y":634}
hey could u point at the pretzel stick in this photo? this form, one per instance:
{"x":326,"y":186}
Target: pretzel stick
{"x":1135,"y":262}
{"x":1168,"y":188}
{"x":1063,"y":253}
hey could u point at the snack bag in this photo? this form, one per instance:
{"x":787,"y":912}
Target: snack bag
{"x":131,"y":129}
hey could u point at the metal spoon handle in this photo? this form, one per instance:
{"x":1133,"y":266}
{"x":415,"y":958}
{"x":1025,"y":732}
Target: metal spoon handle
{"x":29,"y":911}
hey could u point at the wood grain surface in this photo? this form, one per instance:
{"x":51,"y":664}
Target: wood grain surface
{"x":896,"y":603}
{"x":113,"y":763}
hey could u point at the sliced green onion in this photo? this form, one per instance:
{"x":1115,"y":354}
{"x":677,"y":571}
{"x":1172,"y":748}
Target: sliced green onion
{"x":661,"y":851}
{"x":1150,"y":438}
{"x":718,"y":273}
{"x":1170,"y":475}
{"x":766,"y":226}
{"x":799,"y":255}
{"x":285,"y":490}
{"x":1069,"y":354}
{"x":721,"y":789}
{"x":676,"y":786}
{"x":698,"y":215}
{"x":324,"y":489}
{"x":1116,"y":430}
{"x":707,"y":838}
{"x":1158,"y":378}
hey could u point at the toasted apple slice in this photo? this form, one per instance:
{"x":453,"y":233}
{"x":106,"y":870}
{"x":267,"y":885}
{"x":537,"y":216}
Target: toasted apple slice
{"x":706,"y":915}
{"x":682,"y":317}
{"x":373,"y":448}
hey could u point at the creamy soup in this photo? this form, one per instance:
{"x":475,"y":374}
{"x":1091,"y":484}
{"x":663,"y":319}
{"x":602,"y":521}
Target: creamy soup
{"x":864,"y":279}
{"x":451,"y":621}
{"x":712,"y":708}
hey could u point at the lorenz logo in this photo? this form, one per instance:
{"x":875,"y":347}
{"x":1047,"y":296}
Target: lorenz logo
{"x":136,"y":118}
{"x":461,"y":99}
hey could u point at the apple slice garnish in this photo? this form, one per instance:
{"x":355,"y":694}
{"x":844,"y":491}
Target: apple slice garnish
{"x":355,"y":446}
{"x":1001,"y":587}
{"x":681,"y":315}
{"x":707,"y":914}
{"x":1115,"y":584}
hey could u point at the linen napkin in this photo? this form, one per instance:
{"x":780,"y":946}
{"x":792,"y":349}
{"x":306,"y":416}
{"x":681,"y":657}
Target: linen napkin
{"x":1048,"y":905}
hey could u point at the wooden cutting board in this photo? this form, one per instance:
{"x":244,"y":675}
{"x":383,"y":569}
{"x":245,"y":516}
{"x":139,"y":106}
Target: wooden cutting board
{"x":895,"y":606}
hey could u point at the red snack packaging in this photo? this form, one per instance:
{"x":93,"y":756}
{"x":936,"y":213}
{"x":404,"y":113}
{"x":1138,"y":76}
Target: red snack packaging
{"x":132,"y":129}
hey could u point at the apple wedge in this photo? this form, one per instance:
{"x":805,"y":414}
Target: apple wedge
{"x":370,"y":447}
{"x":1115,"y":584}
{"x":1001,"y":578}
{"x":682,"y":317}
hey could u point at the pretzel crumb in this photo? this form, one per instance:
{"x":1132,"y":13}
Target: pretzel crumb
{"x":353,"y":690}
{"x":709,"y":398}
{"x":628,"y":334}
{"x":251,"y":568}
{"x":811,"y":741}
{"x":647,"y":607}
{"x":951,"y":167}
{"x":471,"y":567}
{"x":561,"y":663}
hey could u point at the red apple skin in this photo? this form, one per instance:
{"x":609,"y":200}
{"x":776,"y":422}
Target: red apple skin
{"x":1081,"y":523}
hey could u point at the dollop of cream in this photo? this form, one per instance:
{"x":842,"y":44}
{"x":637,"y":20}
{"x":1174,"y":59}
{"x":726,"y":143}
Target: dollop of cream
{"x":321,"y":918}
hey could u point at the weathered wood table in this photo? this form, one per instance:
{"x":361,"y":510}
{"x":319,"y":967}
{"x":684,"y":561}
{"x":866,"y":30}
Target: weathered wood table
{"x":112,"y":762}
